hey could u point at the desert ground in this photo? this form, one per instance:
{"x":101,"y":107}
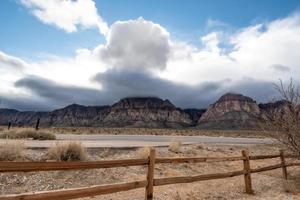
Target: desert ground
{"x":147,"y":131}
{"x":267,"y":185}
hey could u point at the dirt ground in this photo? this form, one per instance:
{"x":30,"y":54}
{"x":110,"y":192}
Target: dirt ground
{"x":148,"y":131}
{"x":266,"y":185}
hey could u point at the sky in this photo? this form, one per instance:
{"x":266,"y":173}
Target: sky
{"x":58,"y":52}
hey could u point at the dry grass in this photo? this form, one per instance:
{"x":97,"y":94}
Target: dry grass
{"x":71,"y":151}
{"x":148,"y":131}
{"x":25,"y":133}
{"x":292,"y":186}
{"x":143,"y":152}
{"x":267,"y":185}
{"x":12,"y":151}
{"x":175,"y":146}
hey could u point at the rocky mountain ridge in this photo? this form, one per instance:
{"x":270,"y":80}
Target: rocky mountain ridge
{"x":230,"y":111}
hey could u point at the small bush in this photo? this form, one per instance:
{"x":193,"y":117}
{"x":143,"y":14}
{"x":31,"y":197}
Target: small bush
{"x":72,"y":151}
{"x":175,"y":146}
{"x":143,"y":153}
{"x":11,"y":151}
{"x":28,"y":133}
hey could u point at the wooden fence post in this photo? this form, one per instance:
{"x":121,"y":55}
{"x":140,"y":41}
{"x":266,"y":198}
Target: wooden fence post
{"x":150,"y":175}
{"x":247,"y":175}
{"x":37,"y":124}
{"x":284,"y":171}
{"x":9,"y":125}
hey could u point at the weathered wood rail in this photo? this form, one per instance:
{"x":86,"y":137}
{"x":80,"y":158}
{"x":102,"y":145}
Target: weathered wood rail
{"x":150,"y":181}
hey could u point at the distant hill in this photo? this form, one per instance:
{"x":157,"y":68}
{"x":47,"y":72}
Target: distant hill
{"x":128,"y":112}
{"x":230,"y":111}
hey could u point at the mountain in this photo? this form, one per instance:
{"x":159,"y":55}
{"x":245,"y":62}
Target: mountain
{"x":279,"y":110}
{"x":77,"y":115}
{"x":194,"y":113}
{"x":272,"y":108}
{"x":231,"y":111}
{"x":20,"y":118}
{"x":146,"y":112}
{"x":128,"y":112}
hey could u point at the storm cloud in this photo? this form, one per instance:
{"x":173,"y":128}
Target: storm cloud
{"x":139,"y":58}
{"x":117,"y":84}
{"x":57,"y":95}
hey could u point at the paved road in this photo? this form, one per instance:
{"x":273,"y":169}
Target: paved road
{"x":124,"y":141}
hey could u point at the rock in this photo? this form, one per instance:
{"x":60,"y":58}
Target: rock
{"x":231,"y":111}
{"x":194,"y":113}
{"x":279,"y":109}
{"x":128,"y":112}
{"x":77,"y":115}
{"x":146,"y":112}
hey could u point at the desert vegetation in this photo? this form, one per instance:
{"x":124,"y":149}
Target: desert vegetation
{"x":12,"y":151}
{"x":67,"y":151}
{"x":284,"y":122}
{"x":141,"y":131}
{"x":143,"y":152}
{"x":175,"y":146}
{"x":267,"y":185}
{"x":27,"y":133}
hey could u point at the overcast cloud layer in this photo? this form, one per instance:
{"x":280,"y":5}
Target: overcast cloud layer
{"x":140,"y":58}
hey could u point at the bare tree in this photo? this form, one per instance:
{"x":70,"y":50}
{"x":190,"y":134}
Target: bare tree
{"x":282,"y":118}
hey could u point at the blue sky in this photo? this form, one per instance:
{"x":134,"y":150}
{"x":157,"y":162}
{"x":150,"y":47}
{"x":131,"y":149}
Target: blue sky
{"x":57,"y":52}
{"x":22,"y":35}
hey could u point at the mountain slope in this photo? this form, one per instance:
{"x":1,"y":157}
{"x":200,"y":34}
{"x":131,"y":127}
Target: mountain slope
{"x":231,"y":111}
{"x":146,"y":112}
{"x":128,"y":112}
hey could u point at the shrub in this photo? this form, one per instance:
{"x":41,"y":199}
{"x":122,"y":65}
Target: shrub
{"x":11,"y":151}
{"x":175,"y":146}
{"x":283,"y":121}
{"x":28,"y":133}
{"x":143,"y":153}
{"x":71,"y":151}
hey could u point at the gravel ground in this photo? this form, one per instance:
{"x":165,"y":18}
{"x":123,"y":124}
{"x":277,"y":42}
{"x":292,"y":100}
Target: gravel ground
{"x":267,"y":185}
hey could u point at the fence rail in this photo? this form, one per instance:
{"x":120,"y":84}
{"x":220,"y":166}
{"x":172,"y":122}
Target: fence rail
{"x":150,"y":181}
{"x":77,"y":192}
{"x":50,"y":166}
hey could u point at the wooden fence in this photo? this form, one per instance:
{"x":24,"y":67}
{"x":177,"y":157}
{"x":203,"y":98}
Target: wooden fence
{"x":150,"y":181}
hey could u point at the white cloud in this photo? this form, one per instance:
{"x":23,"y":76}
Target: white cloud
{"x":211,"y":42}
{"x":76,"y":71}
{"x":67,"y":14}
{"x":251,"y":53}
{"x":257,"y":55}
{"x":137,"y":44}
{"x":8,"y":62}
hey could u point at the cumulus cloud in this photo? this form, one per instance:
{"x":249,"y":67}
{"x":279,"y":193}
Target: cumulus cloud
{"x":141,"y":58}
{"x":211,"y":42}
{"x":67,"y":14}
{"x":249,"y":52}
{"x":138,"y":44}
